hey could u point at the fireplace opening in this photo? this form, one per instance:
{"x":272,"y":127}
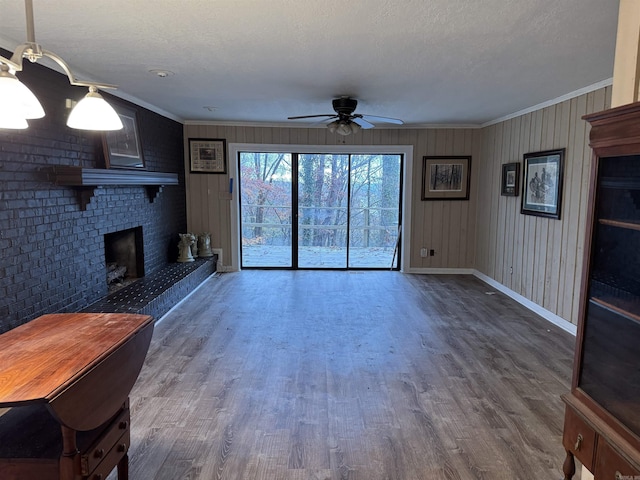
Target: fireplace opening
{"x":124,"y":257}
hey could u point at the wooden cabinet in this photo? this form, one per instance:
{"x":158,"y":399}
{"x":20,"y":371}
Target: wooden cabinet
{"x":602,"y":419}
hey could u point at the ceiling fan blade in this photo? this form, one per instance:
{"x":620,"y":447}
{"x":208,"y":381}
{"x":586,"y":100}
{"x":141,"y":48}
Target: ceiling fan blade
{"x":324,"y":121}
{"x":362,"y":122}
{"x":312,"y":116}
{"x":383,"y":119}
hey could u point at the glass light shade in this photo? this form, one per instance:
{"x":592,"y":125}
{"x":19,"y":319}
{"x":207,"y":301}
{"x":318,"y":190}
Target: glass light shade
{"x":16,"y":98}
{"x":14,"y":122}
{"x":344,"y":129}
{"x":94,"y":113}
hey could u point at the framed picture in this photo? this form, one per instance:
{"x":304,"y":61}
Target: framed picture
{"x":122,"y":148}
{"x":542,"y":183}
{"x":446,"y":178}
{"x":208,"y":155}
{"x":510,"y":179}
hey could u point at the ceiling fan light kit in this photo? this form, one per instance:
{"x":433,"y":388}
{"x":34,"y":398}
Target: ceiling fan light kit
{"x":342,"y":127}
{"x":344,"y":121}
{"x":18,"y":104}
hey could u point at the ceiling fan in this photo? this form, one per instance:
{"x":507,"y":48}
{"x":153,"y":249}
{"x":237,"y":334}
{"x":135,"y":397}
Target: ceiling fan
{"x":345,"y":121}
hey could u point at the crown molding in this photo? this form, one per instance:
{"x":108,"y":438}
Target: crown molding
{"x":582,"y":91}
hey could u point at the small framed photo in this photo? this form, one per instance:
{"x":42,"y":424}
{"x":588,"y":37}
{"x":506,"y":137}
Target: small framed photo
{"x":510,"y":179}
{"x":446,"y":178}
{"x":122,"y":148}
{"x":542,"y":183}
{"x":208,"y":155}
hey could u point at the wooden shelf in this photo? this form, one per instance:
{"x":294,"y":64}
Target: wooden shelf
{"x":619,"y":223}
{"x":625,"y":183}
{"x":623,"y":307}
{"x":79,"y":176}
{"x":86,"y":180}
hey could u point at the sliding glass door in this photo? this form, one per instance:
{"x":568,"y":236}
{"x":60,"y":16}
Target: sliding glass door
{"x":323,"y":187}
{"x":374,"y":216}
{"x":266,"y":209}
{"x":315,"y":211}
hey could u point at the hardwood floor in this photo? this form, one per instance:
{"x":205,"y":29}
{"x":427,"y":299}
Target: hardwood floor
{"x":350,"y":375}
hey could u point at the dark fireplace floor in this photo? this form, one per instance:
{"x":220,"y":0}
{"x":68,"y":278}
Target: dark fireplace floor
{"x":156,"y":293}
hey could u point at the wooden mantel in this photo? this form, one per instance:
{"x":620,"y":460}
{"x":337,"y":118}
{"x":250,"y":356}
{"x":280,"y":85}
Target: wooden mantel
{"x":86,"y":180}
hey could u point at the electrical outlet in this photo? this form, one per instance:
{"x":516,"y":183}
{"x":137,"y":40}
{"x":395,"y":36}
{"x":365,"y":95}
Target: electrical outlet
{"x":423,"y":252}
{"x":432,"y":252}
{"x":511,"y":270}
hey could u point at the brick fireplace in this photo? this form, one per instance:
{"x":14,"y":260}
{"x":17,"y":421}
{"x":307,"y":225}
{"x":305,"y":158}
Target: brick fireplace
{"x":53,"y":254}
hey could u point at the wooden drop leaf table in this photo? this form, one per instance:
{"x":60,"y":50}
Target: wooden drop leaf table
{"x":67,"y":379}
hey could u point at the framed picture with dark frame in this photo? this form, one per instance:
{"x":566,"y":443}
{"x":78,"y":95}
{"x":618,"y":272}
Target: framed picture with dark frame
{"x":510,"y":179}
{"x":446,"y":178}
{"x":207,"y":155}
{"x":122,"y":148}
{"x":542,"y":183}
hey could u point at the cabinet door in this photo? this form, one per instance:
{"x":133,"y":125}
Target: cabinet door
{"x":609,"y":371}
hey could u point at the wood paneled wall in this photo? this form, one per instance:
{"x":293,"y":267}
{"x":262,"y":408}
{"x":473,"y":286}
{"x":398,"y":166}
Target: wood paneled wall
{"x":448,"y":227}
{"x":538,"y":258}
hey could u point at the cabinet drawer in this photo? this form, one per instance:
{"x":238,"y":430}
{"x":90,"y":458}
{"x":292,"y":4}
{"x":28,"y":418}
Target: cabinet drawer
{"x":579,"y":438}
{"x":117,"y":432}
{"x":111,"y":459}
{"x":611,"y":466}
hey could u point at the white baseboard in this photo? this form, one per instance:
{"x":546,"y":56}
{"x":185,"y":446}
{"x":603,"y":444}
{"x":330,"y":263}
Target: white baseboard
{"x":220,"y":266}
{"x":534,"y":307}
{"x":587,"y":475}
{"x":440,"y":271}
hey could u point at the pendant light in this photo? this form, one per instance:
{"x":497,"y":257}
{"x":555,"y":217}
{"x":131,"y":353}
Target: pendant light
{"x":18,"y":104}
{"x":16,"y":98}
{"x":94,"y":113}
{"x":14,"y":122}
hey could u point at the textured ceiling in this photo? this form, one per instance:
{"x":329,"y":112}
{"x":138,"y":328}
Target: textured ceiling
{"x":257,"y":61}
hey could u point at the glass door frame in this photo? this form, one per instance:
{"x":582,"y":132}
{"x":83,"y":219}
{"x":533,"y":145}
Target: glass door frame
{"x":406,"y":186}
